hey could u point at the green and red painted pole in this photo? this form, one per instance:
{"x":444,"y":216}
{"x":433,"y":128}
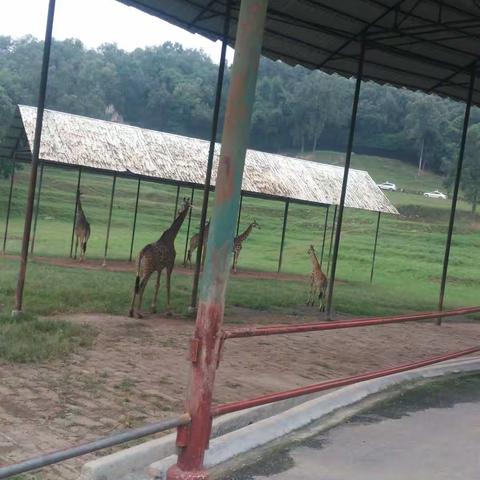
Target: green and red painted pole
{"x":193,"y":440}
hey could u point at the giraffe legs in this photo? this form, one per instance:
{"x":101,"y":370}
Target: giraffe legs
{"x":135,"y":312}
{"x":155,"y":294}
{"x":311,"y":295}
{"x":76,"y":247}
{"x":235,"y":260}
{"x":169,"y":275}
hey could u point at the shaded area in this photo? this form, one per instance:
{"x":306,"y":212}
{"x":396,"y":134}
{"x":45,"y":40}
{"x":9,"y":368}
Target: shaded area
{"x":429,"y":432}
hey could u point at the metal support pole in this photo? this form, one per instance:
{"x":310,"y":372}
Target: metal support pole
{"x":331,"y":240}
{"x":75,"y":211}
{"x":35,"y":156}
{"x":188,"y":228}
{"x":324,"y":235}
{"x":375,"y":247}
{"x":134,"y":220}
{"x":211,"y":153}
{"x":239,"y":214}
{"x":348,"y":157}
{"x":9,"y":205}
{"x":456,"y":188}
{"x":204,"y":353}
{"x":109,"y":221}
{"x":176,"y":203}
{"x":37,"y":207}
{"x":284,"y":228}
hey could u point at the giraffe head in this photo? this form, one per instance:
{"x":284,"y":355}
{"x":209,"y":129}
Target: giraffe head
{"x":255,"y":224}
{"x":186,"y":205}
{"x":311,"y":250}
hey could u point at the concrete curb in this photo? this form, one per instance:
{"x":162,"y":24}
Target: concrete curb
{"x":237,"y":434}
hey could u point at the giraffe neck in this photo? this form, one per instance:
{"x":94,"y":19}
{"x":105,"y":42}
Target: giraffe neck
{"x":315,"y":262}
{"x":243,"y":236}
{"x":170,"y":234}
{"x":80,"y":214}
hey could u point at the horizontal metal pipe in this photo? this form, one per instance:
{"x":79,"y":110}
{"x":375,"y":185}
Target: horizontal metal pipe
{"x":105,"y":442}
{"x":329,"y":384}
{"x":361,"y":322}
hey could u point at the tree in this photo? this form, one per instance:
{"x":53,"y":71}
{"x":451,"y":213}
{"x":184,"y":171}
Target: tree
{"x":471,"y":167}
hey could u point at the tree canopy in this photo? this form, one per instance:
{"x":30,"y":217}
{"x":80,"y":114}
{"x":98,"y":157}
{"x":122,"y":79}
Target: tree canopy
{"x":170,"y":88}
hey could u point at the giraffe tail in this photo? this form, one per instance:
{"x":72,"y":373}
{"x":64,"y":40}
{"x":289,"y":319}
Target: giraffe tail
{"x":137,"y":278}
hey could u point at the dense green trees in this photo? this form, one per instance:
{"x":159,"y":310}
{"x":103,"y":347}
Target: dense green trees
{"x":172,"y":89}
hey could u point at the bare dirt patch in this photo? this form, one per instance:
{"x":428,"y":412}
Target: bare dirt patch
{"x":137,"y":372}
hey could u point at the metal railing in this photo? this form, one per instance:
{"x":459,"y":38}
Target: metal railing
{"x":58,"y":456}
{"x":256,"y":331}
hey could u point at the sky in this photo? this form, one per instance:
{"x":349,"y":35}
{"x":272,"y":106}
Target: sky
{"x":98,"y":21}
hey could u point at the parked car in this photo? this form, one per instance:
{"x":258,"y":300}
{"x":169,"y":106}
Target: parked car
{"x":435,"y":194}
{"x":387,"y":186}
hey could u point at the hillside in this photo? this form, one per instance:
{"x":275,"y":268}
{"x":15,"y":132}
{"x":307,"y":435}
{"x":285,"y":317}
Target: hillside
{"x":382,"y":169}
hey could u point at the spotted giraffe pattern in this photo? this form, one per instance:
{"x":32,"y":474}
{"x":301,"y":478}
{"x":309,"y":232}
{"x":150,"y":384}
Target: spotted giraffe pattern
{"x":82,"y":230}
{"x":318,"y":281}
{"x":194,"y":245}
{"x":238,"y":241}
{"x":154,"y":257}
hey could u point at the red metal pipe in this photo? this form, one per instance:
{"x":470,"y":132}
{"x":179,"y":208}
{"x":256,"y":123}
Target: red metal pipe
{"x":361,"y":322}
{"x":329,"y":384}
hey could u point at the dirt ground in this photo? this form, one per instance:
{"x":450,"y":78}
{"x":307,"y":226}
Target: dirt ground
{"x":125,"y":266}
{"x":137,"y":372}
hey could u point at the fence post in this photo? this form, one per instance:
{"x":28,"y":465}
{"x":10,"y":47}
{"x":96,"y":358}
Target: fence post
{"x":193,"y":441}
{"x":109,"y":224}
{"x":282,"y":243}
{"x":134,"y":220}
{"x":9,"y":205}
{"x":37,"y":207}
{"x":375,"y":247}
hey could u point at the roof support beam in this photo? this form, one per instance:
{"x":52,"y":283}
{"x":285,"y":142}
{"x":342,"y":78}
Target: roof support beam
{"x":456,"y":189}
{"x":35,"y":156}
{"x":341,"y":206}
{"x":211,"y":153}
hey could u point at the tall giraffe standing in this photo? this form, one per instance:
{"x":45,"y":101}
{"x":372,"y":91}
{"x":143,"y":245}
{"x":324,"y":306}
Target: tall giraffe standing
{"x":238,"y":240}
{"x":154,"y":257}
{"x":82,"y":229}
{"x":318,"y":281}
{"x":194,"y":245}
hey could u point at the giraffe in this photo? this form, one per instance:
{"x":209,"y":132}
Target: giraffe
{"x":318,"y":281}
{"x":238,"y":240}
{"x":154,"y":257}
{"x":82,"y":229}
{"x":194,"y":244}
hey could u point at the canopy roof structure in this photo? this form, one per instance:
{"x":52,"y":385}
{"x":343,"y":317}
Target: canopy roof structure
{"x":74,"y":140}
{"x":429,"y":45}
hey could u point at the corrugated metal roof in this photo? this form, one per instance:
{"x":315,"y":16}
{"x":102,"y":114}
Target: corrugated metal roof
{"x":427,"y":45}
{"x":81,"y":141}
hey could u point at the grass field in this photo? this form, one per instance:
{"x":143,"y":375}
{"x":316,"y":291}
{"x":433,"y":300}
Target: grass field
{"x":409,"y":258}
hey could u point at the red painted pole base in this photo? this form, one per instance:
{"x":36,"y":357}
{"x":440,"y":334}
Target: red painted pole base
{"x":175,"y":473}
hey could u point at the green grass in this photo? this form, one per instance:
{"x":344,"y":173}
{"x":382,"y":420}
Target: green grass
{"x":408,"y":267}
{"x":29,"y":339}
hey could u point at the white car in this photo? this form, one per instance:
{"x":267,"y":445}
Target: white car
{"x":435,"y":194}
{"x":388,"y":186}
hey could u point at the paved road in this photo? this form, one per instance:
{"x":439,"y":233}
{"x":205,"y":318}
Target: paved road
{"x":431,"y":433}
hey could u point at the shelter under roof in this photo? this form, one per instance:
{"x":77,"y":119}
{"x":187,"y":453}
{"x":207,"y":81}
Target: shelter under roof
{"x":76,"y":141}
{"x":429,"y":45}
